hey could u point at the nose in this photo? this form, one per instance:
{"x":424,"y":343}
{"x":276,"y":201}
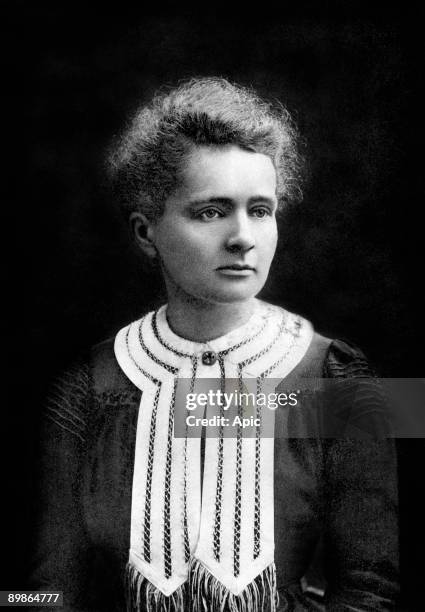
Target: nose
{"x":240,"y":237}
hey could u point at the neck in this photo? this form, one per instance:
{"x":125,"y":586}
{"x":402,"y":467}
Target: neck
{"x":200,"y":321}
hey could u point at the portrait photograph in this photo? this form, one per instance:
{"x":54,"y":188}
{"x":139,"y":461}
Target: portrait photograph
{"x":215,"y":393}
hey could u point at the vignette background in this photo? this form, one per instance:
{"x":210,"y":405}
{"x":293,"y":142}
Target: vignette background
{"x":348,"y":257}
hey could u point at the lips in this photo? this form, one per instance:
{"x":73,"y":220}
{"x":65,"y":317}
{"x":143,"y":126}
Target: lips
{"x":236,"y":267}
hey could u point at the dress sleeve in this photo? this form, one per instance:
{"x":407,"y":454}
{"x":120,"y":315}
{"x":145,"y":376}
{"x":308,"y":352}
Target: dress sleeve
{"x":361,"y":502}
{"x":61,"y":552}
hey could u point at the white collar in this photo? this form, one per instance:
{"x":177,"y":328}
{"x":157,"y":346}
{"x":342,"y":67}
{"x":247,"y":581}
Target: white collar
{"x":149,"y":346}
{"x":166,"y":480}
{"x":247,"y":330}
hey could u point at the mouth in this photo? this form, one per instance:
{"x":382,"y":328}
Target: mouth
{"x":237,"y":267}
{"x":236,"y":270}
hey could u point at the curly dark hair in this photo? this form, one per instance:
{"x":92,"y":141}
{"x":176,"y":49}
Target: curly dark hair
{"x":145,"y":161}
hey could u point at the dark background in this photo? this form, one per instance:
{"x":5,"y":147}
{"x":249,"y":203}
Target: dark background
{"x":349,"y":256}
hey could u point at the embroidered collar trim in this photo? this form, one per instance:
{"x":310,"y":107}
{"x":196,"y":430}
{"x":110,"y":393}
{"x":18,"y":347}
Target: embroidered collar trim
{"x":170,"y":529}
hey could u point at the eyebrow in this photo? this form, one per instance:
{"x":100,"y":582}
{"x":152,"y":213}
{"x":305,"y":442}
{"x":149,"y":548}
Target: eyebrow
{"x":229,"y":202}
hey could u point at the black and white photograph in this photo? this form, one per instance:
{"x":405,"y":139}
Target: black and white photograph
{"x":216,"y":400}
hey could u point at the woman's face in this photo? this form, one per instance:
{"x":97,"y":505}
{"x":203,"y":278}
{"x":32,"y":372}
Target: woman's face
{"x":217,"y":236}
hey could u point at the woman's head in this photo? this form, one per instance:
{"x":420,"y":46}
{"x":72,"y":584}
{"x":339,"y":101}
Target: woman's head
{"x":147,"y":161}
{"x":201,"y":173}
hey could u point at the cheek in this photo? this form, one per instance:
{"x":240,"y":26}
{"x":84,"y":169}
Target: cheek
{"x":178,"y":246}
{"x":269,"y":240}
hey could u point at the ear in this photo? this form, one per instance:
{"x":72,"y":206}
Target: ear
{"x":142,"y":231}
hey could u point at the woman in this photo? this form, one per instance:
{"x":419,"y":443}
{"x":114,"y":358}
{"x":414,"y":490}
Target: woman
{"x":201,"y":173}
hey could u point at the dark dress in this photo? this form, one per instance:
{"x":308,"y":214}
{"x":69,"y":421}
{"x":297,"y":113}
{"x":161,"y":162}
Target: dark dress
{"x":335,"y":497}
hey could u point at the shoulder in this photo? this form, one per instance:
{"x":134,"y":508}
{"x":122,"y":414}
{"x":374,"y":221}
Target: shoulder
{"x":333,"y":358}
{"x":106,"y":374}
{"x":95,"y":374}
{"x":324,"y":357}
{"x":77,"y":398}
{"x":346,"y":360}
{"x":96,"y":371}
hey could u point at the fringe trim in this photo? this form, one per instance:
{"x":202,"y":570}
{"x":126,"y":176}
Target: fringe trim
{"x":142,"y":596}
{"x":207,"y":594}
{"x":202,"y":593}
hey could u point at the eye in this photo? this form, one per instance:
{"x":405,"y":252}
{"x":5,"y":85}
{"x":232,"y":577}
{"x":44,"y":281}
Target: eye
{"x":261,"y":212}
{"x":209,"y":214}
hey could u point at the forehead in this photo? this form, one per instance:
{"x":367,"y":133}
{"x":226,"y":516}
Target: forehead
{"x":229,"y":171}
